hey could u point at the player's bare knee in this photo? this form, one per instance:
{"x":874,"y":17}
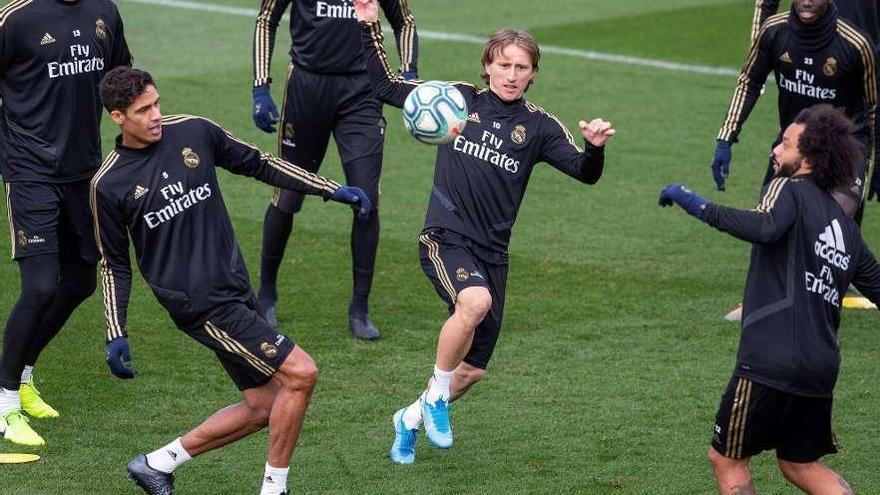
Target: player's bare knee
{"x":473,"y":303}
{"x":299,"y":371}
{"x":718,"y":461}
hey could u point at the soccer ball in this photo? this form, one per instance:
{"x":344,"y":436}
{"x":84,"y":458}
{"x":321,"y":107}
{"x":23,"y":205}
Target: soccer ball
{"x":435,"y":112}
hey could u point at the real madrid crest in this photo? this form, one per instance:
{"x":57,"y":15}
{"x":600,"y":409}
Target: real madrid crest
{"x":190,"y":158}
{"x":22,"y":238}
{"x":269,"y":350}
{"x":100,"y":29}
{"x":288,"y":131}
{"x":462,"y":275}
{"x":518,"y":135}
{"x":830,"y":67}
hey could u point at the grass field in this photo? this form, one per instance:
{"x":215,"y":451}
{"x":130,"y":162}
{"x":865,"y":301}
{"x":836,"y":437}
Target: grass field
{"x":613,"y":355}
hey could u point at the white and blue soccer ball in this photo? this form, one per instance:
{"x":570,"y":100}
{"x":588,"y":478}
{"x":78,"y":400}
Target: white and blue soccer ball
{"x":435,"y":112}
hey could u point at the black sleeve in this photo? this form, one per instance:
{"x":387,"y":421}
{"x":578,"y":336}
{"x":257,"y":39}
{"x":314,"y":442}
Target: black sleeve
{"x":560,"y":151}
{"x":112,"y":239}
{"x":121,"y":55}
{"x":869,"y":65}
{"x":386,"y":86}
{"x":242,"y":158}
{"x":773,"y":217}
{"x":748,"y":88}
{"x":399,"y":14}
{"x":264,"y":38}
{"x":7,"y":45}
{"x":867,"y":276}
{"x":763,"y":10}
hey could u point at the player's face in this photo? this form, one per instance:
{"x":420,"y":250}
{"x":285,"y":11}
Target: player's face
{"x":510,"y":72}
{"x":808,"y":11}
{"x":787,"y":159}
{"x":142,"y":121}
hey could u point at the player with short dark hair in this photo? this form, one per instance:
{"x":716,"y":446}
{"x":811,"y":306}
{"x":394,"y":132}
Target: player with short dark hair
{"x":805,"y":252}
{"x":480,"y":179}
{"x":52,"y":56}
{"x":818,"y":57}
{"x":159,"y":187}
{"x":327,"y":91}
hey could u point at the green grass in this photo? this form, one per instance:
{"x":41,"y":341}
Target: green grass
{"x":613,"y":354}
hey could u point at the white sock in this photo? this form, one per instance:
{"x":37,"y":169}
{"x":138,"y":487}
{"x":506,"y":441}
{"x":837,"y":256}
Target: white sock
{"x":439,"y":385}
{"x":412,"y":415}
{"x":9,"y":400}
{"x":169,"y":457}
{"x":274,"y":481}
{"x":26,"y":374}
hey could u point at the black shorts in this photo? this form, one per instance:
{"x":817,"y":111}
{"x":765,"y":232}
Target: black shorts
{"x":47,"y":218}
{"x":247,"y":347}
{"x":316,"y":105}
{"x":452,"y":265}
{"x":753,"y":418}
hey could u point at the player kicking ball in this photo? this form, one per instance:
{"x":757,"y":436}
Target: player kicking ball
{"x":159,"y":187}
{"x":473,"y":206}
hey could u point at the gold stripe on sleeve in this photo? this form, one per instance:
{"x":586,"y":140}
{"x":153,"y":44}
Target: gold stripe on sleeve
{"x":108,"y":281}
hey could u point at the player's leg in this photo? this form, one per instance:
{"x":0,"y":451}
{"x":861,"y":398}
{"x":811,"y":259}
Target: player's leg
{"x":732,"y":475}
{"x":78,"y":254}
{"x":360,"y":136}
{"x":807,"y":436}
{"x":34,"y":214}
{"x":303,"y":135}
{"x":745,"y":424}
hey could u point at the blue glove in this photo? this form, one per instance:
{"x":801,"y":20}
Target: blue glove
{"x":119,"y":358}
{"x":409,"y":75}
{"x":721,"y":163}
{"x":684,"y":197}
{"x":354,"y":196}
{"x":265,"y":112}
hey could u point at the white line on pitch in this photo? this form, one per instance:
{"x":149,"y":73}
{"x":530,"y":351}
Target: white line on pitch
{"x":467,"y":38}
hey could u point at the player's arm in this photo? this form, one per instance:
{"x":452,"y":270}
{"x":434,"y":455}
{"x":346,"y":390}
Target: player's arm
{"x":769,"y":221}
{"x":264,"y":111}
{"x":560,"y":150}
{"x":112,"y":240}
{"x":245,"y":159}
{"x":399,"y":14}
{"x":867,"y":276}
{"x":773,"y":217}
{"x":121,"y":55}
{"x":763,"y":10}
{"x":754,"y":73}
{"x":870,"y":89}
{"x":386,"y":86}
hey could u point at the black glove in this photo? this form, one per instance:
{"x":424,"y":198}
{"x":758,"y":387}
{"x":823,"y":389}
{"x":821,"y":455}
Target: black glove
{"x":119,"y":358}
{"x":356,"y":197}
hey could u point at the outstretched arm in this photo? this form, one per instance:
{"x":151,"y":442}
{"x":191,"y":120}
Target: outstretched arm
{"x":561,"y":152}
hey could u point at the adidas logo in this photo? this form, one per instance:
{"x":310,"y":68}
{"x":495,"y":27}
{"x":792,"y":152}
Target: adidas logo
{"x":474,"y":117}
{"x":173,"y":454}
{"x":140,"y":191}
{"x":268,"y":479}
{"x":785,"y":57}
{"x":831,"y":247}
{"x":47,"y":39}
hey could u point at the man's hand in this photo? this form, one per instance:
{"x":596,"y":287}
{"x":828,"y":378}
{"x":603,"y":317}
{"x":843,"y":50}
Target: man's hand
{"x":119,"y":358}
{"x":366,"y":10}
{"x":597,"y":131}
{"x":265,"y":112}
{"x":689,"y":201}
{"x":356,"y":197}
{"x":721,"y":164}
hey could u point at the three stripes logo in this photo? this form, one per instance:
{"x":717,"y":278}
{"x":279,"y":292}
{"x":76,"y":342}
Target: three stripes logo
{"x":831,"y":247}
{"x":47,"y":39}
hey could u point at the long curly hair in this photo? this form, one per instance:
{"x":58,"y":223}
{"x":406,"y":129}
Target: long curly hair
{"x":829,"y":145}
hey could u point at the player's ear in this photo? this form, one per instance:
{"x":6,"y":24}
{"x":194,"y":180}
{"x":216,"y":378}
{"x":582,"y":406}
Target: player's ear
{"x":117,"y":117}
